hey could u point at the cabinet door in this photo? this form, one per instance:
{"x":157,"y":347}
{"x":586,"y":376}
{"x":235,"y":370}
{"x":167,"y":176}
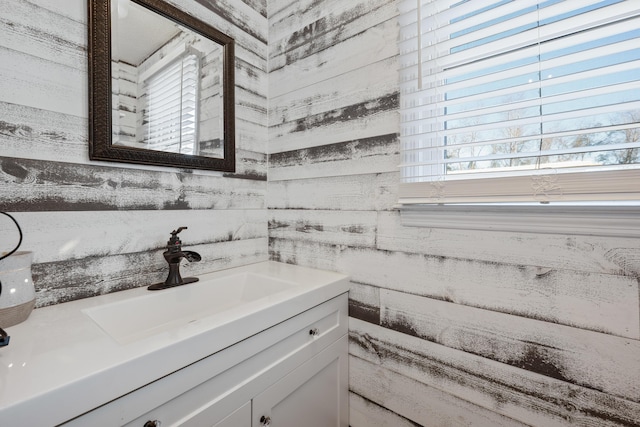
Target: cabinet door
{"x":241,"y":417}
{"x":314,"y":394}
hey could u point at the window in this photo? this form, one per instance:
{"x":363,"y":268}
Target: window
{"x":519,"y":101}
{"x":170,"y":106}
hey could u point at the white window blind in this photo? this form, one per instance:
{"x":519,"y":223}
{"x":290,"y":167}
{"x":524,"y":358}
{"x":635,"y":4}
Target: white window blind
{"x":519,"y":101}
{"x":170,"y":107}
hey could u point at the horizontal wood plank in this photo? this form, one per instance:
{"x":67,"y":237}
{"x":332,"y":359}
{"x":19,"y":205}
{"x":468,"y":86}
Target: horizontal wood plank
{"x":368,"y":155}
{"x":357,"y":87}
{"x":599,"y":302}
{"x":250,"y":137}
{"x":217,"y":14}
{"x":620,"y":256}
{"x":249,"y":165}
{"x":337,"y":59}
{"x":518,"y":393}
{"x":250,"y":77}
{"x":314,"y":255}
{"x":32,"y":185}
{"x":259,"y":6}
{"x":416,"y":401}
{"x":61,"y":88}
{"x":286,"y":16}
{"x":374,"y":192}
{"x":329,"y":227}
{"x":54,"y":237}
{"x":365,"y":413}
{"x":589,"y":359}
{"x":72,"y":279}
{"x":364,"y":302}
{"x":241,"y":15}
{"x":63,"y":8}
{"x":254,"y":104}
{"x":44,"y":33}
{"x":359,"y":121}
{"x":305,"y":32}
{"x":42,"y":135}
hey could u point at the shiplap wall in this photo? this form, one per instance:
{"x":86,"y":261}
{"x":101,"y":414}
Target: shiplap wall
{"x":447,"y":328}
{"x":97,"y":227}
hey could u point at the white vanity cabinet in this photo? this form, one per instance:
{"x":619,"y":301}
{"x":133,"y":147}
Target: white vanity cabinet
{"x":290,"y":374}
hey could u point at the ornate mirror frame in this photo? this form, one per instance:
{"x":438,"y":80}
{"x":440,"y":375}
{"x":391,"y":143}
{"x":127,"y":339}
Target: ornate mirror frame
{"x":100,"y":95}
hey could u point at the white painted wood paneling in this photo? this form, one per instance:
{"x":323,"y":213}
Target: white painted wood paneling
{"x":336,"y":60}
{"x":364,"y":303}
{"x":236,"y":18}
{"x":612,"y":255}
{"x":365,"y":413}
{"x":359,"y":86}
{"x":313,"y":81}
{"x":73,"y":9}
{"x":99,"y":227}
{"x":34,"y":185}
{"x":424,"y":405}
{"x":300,"y":34}
{"x":525,"y":318}
{"x":289,"y":136}
{"x":61,"y":88}
{"x":73,"y":279}
{"x":594,"y":360}
{"x":44,"y":33}
{"x":53,"y":237}
{"x":358,"y":157}
{"x":529,"y":397}
{"x":42,"y":135}
{"x":329,"y":227}
{"x":600,"y":302}
{"x":373,"y":192}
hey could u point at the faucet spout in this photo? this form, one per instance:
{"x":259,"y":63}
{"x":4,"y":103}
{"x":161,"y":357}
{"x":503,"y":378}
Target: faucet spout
{"x":192,"y":256}
{"x":173,"y":255}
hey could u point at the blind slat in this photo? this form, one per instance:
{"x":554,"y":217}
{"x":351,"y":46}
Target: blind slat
{"x":171,"y":106}
{"x":506,"y":86}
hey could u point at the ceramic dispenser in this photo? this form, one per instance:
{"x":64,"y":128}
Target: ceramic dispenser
{"x":17,"y":293}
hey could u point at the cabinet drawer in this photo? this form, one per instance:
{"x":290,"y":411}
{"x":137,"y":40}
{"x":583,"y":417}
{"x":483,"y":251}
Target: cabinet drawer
{"x":207,"y":391}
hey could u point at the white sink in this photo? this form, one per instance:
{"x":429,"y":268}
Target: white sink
{"x":137,"y":318}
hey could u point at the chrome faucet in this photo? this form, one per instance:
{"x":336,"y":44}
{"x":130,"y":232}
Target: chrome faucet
{"x":174,"y":255}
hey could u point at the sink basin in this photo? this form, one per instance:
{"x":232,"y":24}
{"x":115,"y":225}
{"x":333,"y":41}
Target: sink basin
{"x":137,"y":318}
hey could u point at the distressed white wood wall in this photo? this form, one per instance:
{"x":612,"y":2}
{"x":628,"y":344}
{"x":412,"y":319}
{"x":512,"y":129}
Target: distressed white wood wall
{"x":447,"y":327}
{"x":97,"y":227}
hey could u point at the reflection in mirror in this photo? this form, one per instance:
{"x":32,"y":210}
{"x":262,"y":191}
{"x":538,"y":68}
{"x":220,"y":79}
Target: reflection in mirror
{"x":159,"y":101}
{"x":161,"y":87}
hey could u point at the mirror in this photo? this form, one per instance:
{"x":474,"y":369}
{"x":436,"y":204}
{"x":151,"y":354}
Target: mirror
{"x":161,"y":87}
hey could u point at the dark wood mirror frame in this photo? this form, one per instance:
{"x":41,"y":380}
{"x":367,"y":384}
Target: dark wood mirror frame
{"x":100,"y":114}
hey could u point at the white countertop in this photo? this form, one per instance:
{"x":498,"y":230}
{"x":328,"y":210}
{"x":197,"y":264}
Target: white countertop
{"x":60,"y":363}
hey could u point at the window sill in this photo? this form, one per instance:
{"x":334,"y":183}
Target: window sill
{"x":618,"y":221}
